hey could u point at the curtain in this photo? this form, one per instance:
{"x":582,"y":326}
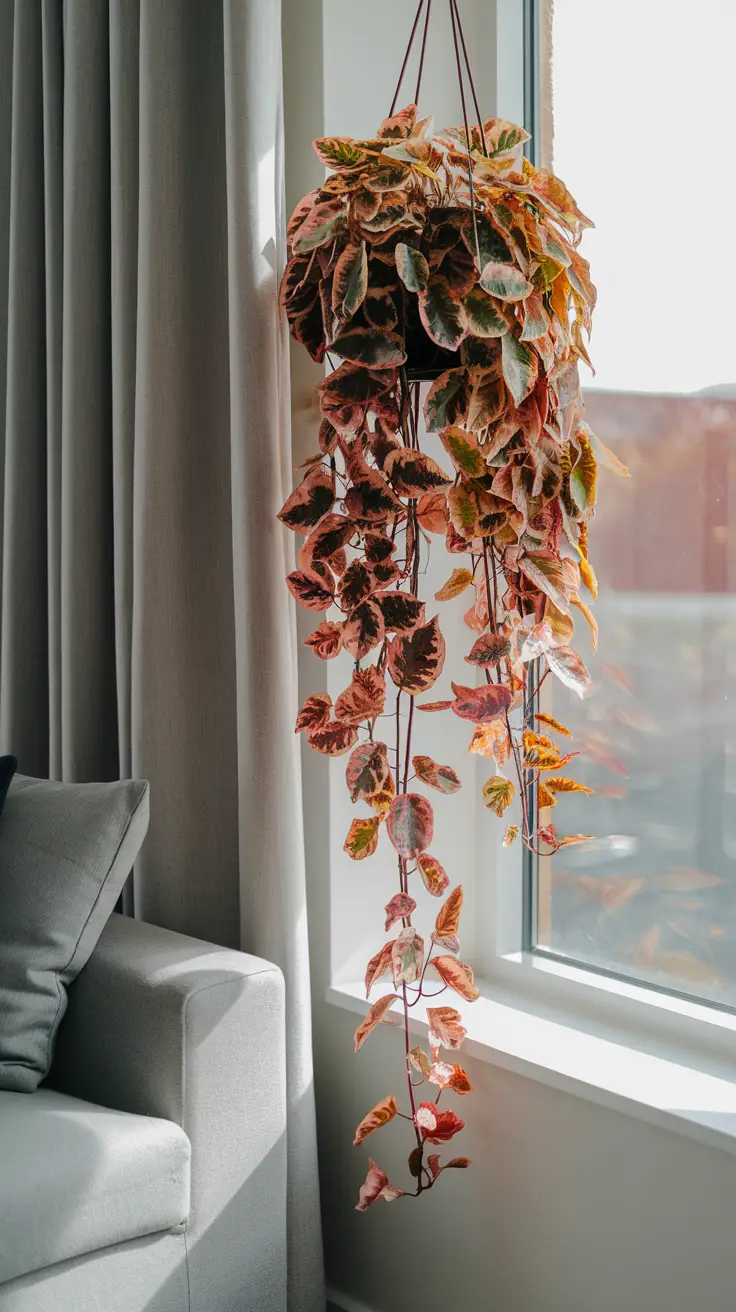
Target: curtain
{"x":144,"y":450}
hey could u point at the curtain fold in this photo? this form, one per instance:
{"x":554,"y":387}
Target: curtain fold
{"x":144,"y":452}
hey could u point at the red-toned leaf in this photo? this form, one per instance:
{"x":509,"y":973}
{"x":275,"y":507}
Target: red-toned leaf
{"x":567,"y":665}
{"x":407,"y":957}
{"x":450,"y":942}
{"x":481,"y":704}
{"x":457,"y":975}
{"x":329,"y":536}
{"x":415,"y":1162}
{"x":435,"y":877}
{"x":372,"y":347}
{"x":571,"y":840}
{"x":385,"y":573}
{"x":363,"y":630}
{"x":338,"y":563}
{"x":401,"y":612}
{"x":441,"y":777}
{"x":487,"y":402}
{"x":370,"y":497}
{"x":447,"y":400}
{"x":448,"y":916}
{"x":488,"y":649}
{"x":378,"y":548}
{"x":547,"y":834}
{"x":459,"y":580}
{"x":352,"y":385}
{"x":464,"y":452}
{"x":433,"y":1161}
{"x":432,"y":512}
{"x":326,"y":640}
{"x":376,"y":1186}
{"x":462,"y":505}
{"x":411,"y":267}
{"x":355,"y":585}
{"x":374,"y":1017}
{"x":505,"y":282}
{"x":382,"y":800}
{"x":548,"y":574}
{"x":482,"y":315}
{"x":318,"y":226}
{"x":442,"y":314}
{"x":327,"y":437}
{"x":448,"y":1075}
{"x":400,"y":125}
{"x":309,"y":589}
{"x":312,"y":499}
{"x":350,"y":280}
{"x":308,"y":330}
{"x":339,"y":152}
{"x":491,"y":740}
{"x":367,"y":770}
{"x":412,"y":474}
{"x":315,"y":712}
{"x":400,"y":906}
{"x":364,"y":699}
{"x":378,"y":965}
{"x":416,"y":660}
{"x":434,"y":706}
{"x":437,"y":1126}
{"x":419,"y":1060}
{"x":520,"y":367}
{"x":410,"y":825}
{"x":383,"y":1112}
{"x":445,"y":1027}
{"x":333,"y":739}
{"x":379,"y":308}
{"x":299,"y":213}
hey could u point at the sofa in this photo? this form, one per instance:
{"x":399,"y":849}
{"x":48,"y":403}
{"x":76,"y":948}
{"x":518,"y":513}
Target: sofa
{"x":148,"y":1173}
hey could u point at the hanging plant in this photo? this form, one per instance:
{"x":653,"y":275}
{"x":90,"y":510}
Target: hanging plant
{"x":447,"y":258}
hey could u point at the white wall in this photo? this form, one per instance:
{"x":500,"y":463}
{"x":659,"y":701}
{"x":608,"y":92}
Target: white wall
{"x":569,"y":1207}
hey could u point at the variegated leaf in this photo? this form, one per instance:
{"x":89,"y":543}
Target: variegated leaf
{"x":362,"y":839}
{"x":407,"y":957}
{"x":441,"y":777}
{"x":410,"y":825}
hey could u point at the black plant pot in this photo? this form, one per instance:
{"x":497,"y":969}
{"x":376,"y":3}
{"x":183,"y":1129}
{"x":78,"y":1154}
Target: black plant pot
{"x":425,"y":360}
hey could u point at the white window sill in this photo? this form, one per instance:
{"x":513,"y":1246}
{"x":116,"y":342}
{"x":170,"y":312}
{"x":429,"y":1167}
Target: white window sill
{"x":663,"y":1091}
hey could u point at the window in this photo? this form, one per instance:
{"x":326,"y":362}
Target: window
{"x":634,"y":112}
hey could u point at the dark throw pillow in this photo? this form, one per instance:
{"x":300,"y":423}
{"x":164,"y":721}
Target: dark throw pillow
{"x":8,"y":767}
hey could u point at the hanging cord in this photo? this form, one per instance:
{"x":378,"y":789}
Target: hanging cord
{"x":453,"y":4}
{"x":467,"y":133}
{"x":406,"y":56}
{"x":424,"y":47}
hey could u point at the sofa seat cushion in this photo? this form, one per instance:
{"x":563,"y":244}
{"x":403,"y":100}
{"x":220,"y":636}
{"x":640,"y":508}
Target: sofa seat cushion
{"x":75,"y":1177}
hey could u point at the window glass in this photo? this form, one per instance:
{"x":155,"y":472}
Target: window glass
{"x":639,"y":115}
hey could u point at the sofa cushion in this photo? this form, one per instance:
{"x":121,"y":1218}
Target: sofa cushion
{"x":65,"y":853}
{"x":76,"y":1177}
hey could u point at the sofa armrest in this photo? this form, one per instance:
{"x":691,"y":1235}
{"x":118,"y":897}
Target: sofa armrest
{"x":164,"y":1025}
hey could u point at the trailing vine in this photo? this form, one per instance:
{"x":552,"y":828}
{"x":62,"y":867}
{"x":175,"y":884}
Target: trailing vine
{"x":450,"y":258}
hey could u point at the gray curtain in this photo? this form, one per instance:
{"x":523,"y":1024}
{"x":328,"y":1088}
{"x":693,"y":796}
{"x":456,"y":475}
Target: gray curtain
{"x":144,"y":625}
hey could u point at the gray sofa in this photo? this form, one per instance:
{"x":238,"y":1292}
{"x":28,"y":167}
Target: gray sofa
{"x":148,"y":1174}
